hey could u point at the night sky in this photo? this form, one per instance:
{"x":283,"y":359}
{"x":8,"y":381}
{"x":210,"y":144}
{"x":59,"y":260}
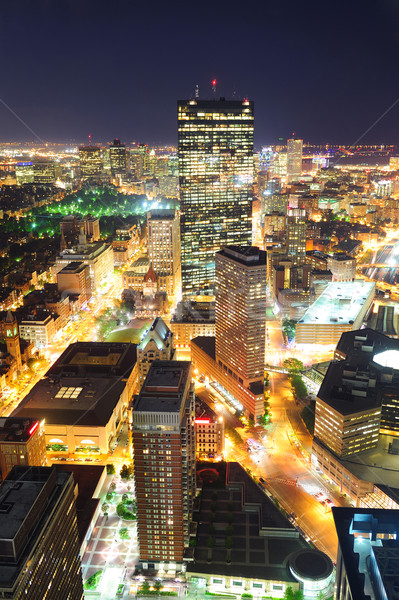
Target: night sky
{"x":115,"y":68}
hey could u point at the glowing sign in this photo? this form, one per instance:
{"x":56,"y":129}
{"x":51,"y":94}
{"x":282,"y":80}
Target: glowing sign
{"x":33,"y":428}
{"x":202,"y":421}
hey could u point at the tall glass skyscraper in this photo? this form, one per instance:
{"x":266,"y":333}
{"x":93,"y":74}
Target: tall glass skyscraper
{"x":294,"y":159}
{"x":216,"y":139}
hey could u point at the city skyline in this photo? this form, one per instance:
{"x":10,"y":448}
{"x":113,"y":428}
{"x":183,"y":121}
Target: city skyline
{"x":199,"y":320}
{"x":328,"y":75}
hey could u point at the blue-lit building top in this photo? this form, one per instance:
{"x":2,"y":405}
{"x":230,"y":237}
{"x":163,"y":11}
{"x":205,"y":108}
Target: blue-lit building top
{"x":368,"y":554}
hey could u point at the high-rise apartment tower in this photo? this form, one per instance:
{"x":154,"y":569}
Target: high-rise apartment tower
{"x":215,"y":149}
{"x":164,"y":462}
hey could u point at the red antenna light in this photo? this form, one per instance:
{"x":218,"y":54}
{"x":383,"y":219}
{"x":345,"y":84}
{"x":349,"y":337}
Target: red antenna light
{"x":214,"y":82}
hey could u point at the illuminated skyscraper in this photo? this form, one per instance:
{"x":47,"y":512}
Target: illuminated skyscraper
{"x":164,"y":462}
{"x":296,"y":235}
{"x":240,"y":319}
{"x":44,"y":172}
{"x":294,"y":159}
{"x":164,"y":249}
{"x":91,"y":161}
{"x":39,"y":550}
{"x":215,"y":151}
{"x":118,"y":158}
{"x":24,"y":172}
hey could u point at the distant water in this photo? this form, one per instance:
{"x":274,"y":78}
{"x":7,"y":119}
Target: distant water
{"x":365,"y":161}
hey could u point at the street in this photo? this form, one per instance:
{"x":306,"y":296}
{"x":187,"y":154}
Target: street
{"x":283,"y":463}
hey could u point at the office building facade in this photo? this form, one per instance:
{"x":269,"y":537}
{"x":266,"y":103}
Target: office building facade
{"x":22,"y":442}
{"x":164,"y":463}
{"x":164,"y":249}
{"x":294,"y":159}
{"x":97,"y":256}
{"x":39,"y":550}
{"x":91,"y":161}
{"x":240,"y":314}
{"x":215,"y":149}
{"x":357,"y":409}
{"x":75,"y":279}
{"x":296,"y":235}
{"x":118,"y":157}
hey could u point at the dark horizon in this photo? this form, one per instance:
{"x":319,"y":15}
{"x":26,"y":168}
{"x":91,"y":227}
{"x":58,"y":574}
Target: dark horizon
{"x":72,"y":69}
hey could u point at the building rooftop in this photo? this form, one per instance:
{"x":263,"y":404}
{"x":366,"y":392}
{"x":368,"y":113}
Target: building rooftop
{"x":364,"y":343}
{"x":83,"y":386}
{"x":347,"y":389}
{"x":341,"y":303}
{"x":72,"y":267}
{"x":87,"y":252}
{"x":14,"y":429}
{"x":341,"y":257}
{"x":159,"y":332}
{"x":377,"y":465}
{"x":207,"y":344}
{"x":25,"y":491}
{"x":194,"y":312}
{"x":262,"y":539}
{"x":162,"y":214}
{"x":244,"y":255}
{"x":164,"y":387}
{"x":216,"y":106}
{"x":370,"y":558}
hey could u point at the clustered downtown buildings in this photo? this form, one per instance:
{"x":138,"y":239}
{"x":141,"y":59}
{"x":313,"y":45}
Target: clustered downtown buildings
{"x":202,"y":261}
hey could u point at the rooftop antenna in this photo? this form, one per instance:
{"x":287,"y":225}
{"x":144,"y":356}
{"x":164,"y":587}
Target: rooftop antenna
{"x":234,"y":91}
{"x":89,"y":139}
{"x":214,"y":82}
{"x":196,"y":91}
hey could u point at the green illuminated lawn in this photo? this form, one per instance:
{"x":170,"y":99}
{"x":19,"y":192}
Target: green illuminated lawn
{"x":130,"y":334}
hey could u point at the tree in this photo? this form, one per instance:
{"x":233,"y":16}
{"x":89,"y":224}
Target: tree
{"x":293,"y":365}
{"x":210,"y":542}
{"x":126,"y":472}
{"x":299,"y":388}
{"x":145,"y":587}
{"x":110,"y":469}
{"x":124,"y":533}
{"x":263,"y":419}
{"x":289,"y":594}
{"x":104,"y":508}
{"x":288,"y":327}
{"x":266,"y":379}
{"x":158,"y":585}
{"x":308,"y":416}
